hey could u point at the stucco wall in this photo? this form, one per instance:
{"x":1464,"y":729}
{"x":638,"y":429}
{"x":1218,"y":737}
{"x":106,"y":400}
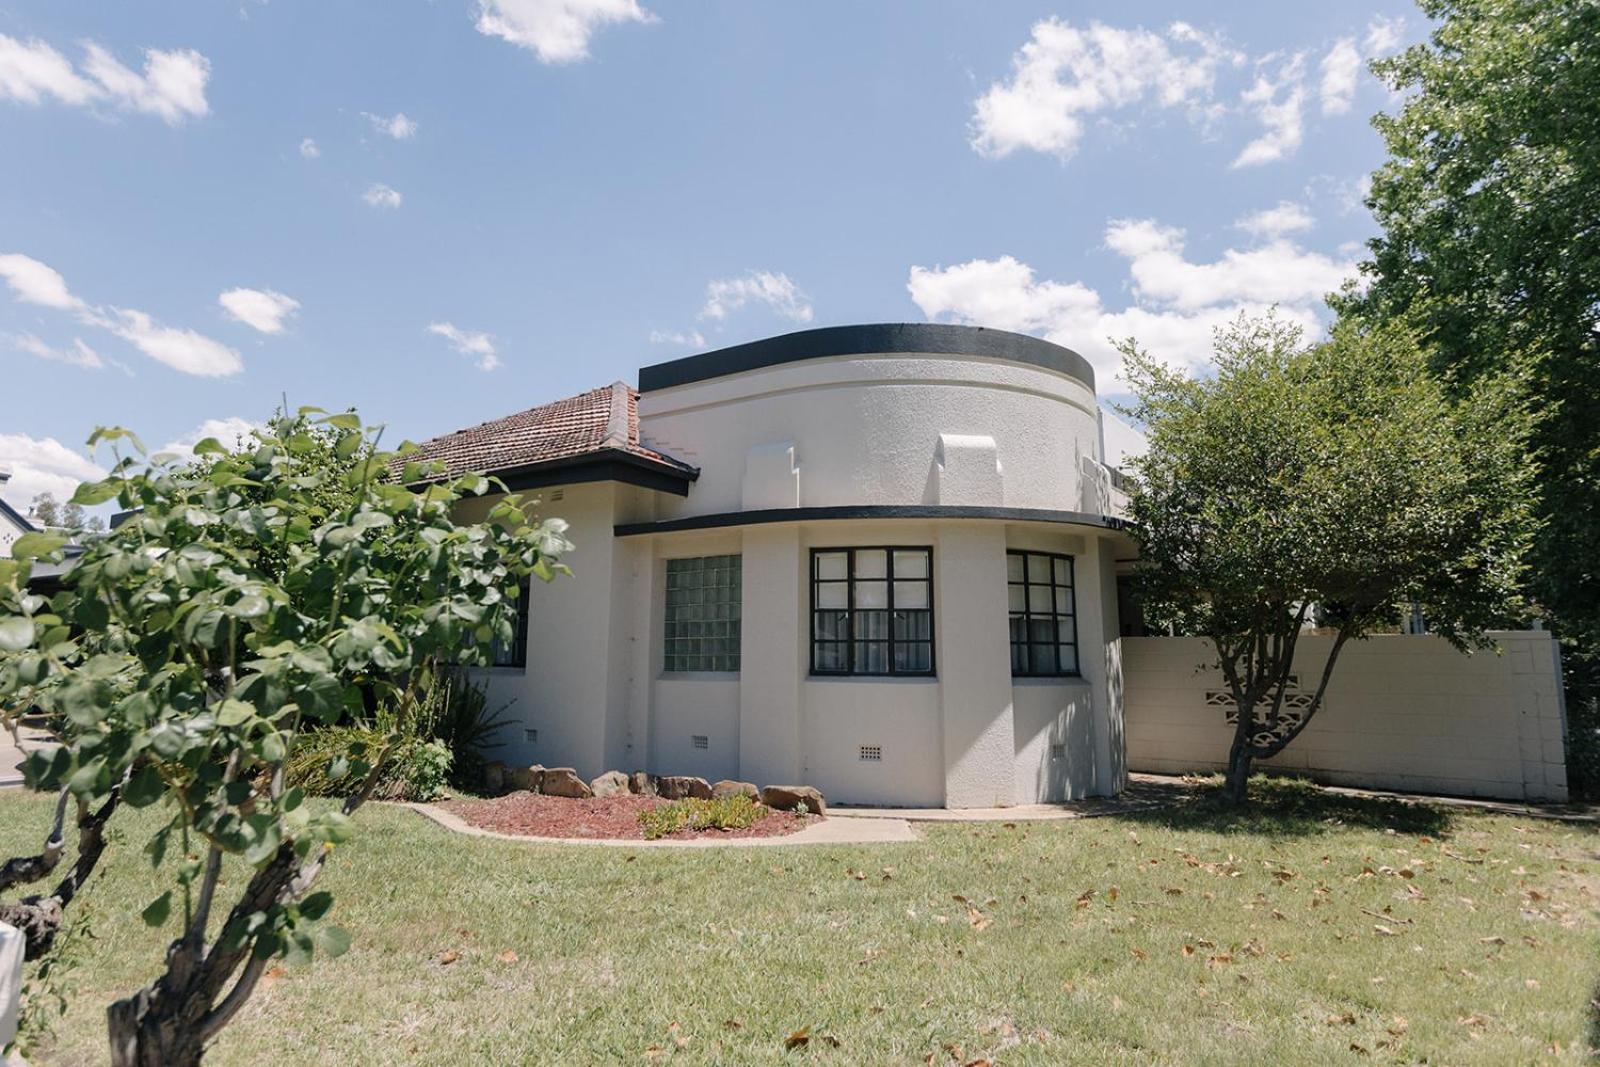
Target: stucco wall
{"x":1406,"y":713}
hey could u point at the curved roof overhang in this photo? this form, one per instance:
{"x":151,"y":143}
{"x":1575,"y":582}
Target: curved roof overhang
{"x":723,"y":520}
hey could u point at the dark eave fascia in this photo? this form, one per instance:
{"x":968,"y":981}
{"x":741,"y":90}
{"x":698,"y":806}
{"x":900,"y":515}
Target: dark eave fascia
{"x":605,"y":465}
{"x":891,"y":338}
{"x":867,"y":511}
{"x":20,"y":519}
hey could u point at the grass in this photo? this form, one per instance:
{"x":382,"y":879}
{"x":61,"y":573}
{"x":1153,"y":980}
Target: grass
{"x":1300,"y":932}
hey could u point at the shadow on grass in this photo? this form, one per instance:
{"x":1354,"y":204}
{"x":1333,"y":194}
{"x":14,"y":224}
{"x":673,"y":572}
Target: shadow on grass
{"x":1285,"y":807}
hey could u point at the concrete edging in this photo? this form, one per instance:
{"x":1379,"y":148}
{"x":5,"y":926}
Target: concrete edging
{"x":832,"y":830}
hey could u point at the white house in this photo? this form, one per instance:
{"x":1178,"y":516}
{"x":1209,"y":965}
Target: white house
{"x":13,"y":524}
{"x":876,"y":559}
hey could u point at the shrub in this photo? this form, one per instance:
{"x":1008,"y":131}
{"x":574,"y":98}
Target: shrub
{"x":463,"y":723}
{"x":726,"y":813}
{"x":320,"y":765}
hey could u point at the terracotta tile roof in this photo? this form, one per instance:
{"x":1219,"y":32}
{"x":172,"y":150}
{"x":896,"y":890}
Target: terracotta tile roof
{"x":602,"y":420}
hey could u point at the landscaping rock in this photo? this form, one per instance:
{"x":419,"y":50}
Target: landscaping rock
{"x":789,"y":797}
{"x":528,"y":778}
{"x":679,"y":786}
{"x":609,"y":784}
{"x":494,"y":776}
{"x":564,"y":782}
{"x":641,"y":783}
{"x":730,"y":788}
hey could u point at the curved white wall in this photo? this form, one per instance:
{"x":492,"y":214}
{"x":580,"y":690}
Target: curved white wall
{"x":878,"y":429}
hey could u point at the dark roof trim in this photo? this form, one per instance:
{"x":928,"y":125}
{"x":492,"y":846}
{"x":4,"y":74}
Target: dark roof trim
{"x":867,"y":511}
{"x":20,"y":519}
{"x":607,"y":465}
{"x":934,"y":338}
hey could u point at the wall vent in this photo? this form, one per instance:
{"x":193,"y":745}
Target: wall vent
{"x":872,"y":753}
{"x":1058,"y":750}
{"x":558,"y":494}
{"x":700,"y":741}
{"x":532,"y":736}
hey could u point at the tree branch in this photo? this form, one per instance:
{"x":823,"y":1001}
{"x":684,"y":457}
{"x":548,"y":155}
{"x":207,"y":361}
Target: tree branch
{"x":24,"y":869}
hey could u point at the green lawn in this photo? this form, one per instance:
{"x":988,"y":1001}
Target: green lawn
{"x":1300,"y":933}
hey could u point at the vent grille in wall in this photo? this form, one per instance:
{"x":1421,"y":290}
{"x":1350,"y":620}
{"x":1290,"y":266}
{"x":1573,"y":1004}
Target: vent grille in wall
{"x":558,"y":494}
{"x":872,"y":753}
{"x":700,"y":741}
{"x":1058,"y":750}
{"x":531,"y":735}
{"x":1296,"y":706}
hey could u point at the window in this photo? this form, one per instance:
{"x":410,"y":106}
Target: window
{"x":516,"y":653}
{"x":1044,"y":625}
{"x":702,"y":623}
{"x":872,"y":611}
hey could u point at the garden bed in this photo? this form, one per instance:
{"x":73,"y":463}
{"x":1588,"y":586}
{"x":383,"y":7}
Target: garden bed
{"x":615,"y":818}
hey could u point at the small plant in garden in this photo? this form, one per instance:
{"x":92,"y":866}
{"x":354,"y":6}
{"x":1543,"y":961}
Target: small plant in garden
{"x":253,"y":597}
{"x":724,"y":813}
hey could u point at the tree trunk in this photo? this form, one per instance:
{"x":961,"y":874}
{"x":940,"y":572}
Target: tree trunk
{"x":149,"y":1030}
{"x":1236,"y":786}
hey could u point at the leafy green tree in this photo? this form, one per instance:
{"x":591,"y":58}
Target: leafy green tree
{"x":1490,"y":248}
{"x":69,"y":516}
{"x":190,"y":652}
{"x":1340,"y":479}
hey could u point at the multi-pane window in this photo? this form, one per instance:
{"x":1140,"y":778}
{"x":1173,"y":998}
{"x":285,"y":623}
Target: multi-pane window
{"x":702,"y":621}
{"x":872,"y":611}
{"x":1044,"y":625}
{"x":516,"y":653}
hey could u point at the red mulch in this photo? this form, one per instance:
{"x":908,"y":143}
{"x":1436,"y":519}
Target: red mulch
{"x":535,"y":815}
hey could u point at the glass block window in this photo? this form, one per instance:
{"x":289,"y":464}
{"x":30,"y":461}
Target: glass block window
{"x":516,"y":653}
{"x":872,"y":610}
{"x":702,"y":623}
{"x":1044,"y":624}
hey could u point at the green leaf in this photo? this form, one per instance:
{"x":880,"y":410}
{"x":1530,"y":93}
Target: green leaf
{"x":89,"y":494}
{"x":345,"y":420}
{"x":155,"y":914}
{"x":144,"y":788}
{"x":316,"y":905}
{"x":334,"y":941}
{"x":209,"y":446}
{"x":235,"y":712}
{"x":36,"y":545}
{"x":16,"y":633}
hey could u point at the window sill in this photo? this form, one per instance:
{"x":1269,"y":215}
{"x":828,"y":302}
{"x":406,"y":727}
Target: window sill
{"x":698,"y":676}
{"x":1049,"y":680}
{"x":503,"y":670}
{"x":896,"y":679}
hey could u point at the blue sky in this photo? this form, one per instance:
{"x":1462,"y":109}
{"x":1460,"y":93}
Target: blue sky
{"x":444,"y":212}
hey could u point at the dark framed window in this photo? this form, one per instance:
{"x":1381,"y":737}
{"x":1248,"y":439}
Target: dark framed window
{"x":516,"y":653}
{"x":1044,"y":623}
{"x":872,"y":610}
{"x":701,"y":631}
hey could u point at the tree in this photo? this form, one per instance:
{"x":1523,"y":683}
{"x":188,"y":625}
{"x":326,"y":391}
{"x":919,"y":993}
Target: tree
{"x":192,"y":649}
{"x":1490,"y":249}
{"x":68,"y":516}
{"x":46,"y":510}
{"x":1339,"y":478}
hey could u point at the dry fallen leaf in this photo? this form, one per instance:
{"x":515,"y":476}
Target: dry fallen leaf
{"x":448,"y":956}
{"x":1384,"y":931}
{"x":1347,"y":1019}
{"x":799,"y":1039}
{"x":507,"y":956}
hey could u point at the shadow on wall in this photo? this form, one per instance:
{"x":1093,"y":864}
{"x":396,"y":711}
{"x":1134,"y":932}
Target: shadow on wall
{"x":1065,"y":765}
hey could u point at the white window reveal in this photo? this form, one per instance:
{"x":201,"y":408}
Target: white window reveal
{"x":701,"y":630}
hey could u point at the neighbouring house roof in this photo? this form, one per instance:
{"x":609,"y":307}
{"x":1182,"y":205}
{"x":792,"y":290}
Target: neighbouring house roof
{"x":593,"y":436}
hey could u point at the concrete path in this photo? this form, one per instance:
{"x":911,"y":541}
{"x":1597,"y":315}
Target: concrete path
{"x":833,"y":830}
{"x":11,"y":756}
{"x":1145,"y":791}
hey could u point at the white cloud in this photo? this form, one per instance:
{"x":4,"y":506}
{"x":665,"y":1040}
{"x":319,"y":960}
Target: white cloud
{"x":309,"y":149}
{"x":692,"y":338}
{"x":261,"y":309}
{"x":33,"y":282}
{"x":397,"y":125}
{"x":184,"y":350}
{"x":79,"y":355}
{"x":43,"y":465}
{"x":380,"y":195}
{"x":1278,"y":102}
{"x":469,"y":343}
{"x":557,"y":31}
{"x":1383,"y":36}
{"x":172,"y":86}
{"x":1340,"y":68}
{"x":1286,"y":217}
{"x":232,"y":433}
{"x":777,"y":291}
{"x":1177,"y":303}
{"x":1065,"y":74}
{"x":193,"y":353}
